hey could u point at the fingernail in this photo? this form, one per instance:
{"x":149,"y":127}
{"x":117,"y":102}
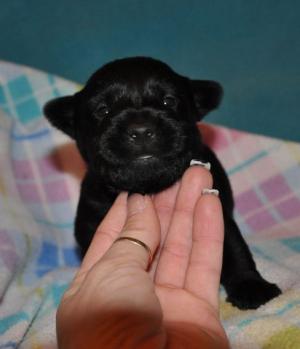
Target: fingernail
{"x":210,"y":191}
{"x":206,"y":165}
{"x":136,"y":203}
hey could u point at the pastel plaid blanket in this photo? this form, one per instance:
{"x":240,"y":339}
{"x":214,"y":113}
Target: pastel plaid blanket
{"x":40,"y":172}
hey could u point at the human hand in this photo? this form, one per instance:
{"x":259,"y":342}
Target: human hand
{"x":115,"y":302}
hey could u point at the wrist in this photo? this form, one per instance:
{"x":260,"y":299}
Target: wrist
{"x":190,"y":336}
{"x":128,"y":330}
{"x":115,"y":330}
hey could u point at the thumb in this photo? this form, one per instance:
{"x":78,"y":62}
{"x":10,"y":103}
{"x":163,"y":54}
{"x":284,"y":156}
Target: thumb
{"x":142,"y":228}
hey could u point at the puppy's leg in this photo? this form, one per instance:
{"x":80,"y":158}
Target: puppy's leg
{"x":245,"y":287}
{"x":93,"y":205}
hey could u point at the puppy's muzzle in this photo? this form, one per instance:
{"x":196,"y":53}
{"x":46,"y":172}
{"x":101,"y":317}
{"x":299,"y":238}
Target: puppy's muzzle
{"x":142,"y":139}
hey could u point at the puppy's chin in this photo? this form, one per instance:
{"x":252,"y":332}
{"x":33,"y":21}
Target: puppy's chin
{"x":146,"y":174}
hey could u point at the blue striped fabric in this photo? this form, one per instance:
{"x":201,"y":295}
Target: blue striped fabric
{"x":38,"y":198}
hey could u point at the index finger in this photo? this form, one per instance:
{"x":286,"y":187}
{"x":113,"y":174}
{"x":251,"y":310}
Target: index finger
{"x":164,"y":203}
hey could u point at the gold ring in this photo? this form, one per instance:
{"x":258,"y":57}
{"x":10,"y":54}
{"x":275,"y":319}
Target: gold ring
{"x":139,"y":243}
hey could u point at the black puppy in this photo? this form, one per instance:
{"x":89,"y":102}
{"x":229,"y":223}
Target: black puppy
{"x":135,"y":125}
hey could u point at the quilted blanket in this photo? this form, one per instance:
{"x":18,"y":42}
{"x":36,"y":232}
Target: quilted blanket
{"x":40,"y":172}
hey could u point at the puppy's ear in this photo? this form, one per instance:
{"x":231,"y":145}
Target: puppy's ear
{"x":207,"y":95}
{"x":60,"y":113}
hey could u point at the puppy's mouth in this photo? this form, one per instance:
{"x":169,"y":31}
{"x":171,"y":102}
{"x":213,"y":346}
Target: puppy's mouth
{"x":145,"y":157}
{"x":145,"y":160}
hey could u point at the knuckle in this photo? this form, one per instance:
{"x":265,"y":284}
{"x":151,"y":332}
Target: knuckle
{"x":177,"y":249}
{"x":198,"y":176}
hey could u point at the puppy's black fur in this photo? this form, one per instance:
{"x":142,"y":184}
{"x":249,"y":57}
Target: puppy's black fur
{"x":135,"y":125}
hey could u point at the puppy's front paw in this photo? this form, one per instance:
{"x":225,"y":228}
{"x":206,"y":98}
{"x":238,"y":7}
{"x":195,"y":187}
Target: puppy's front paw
{"x":251,"y":291}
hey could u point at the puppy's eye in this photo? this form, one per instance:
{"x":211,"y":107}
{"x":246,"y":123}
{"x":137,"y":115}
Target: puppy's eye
{"x":102,"y":110}
{"x":169,"y":102}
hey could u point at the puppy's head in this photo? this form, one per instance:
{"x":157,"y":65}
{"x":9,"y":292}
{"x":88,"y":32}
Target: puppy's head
{"x":135,"y":122}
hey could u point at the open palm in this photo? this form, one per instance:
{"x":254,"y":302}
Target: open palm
{"x":179,"y":292}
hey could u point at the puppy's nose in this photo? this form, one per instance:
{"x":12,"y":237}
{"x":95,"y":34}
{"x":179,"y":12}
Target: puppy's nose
{"x":141,"y":133}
